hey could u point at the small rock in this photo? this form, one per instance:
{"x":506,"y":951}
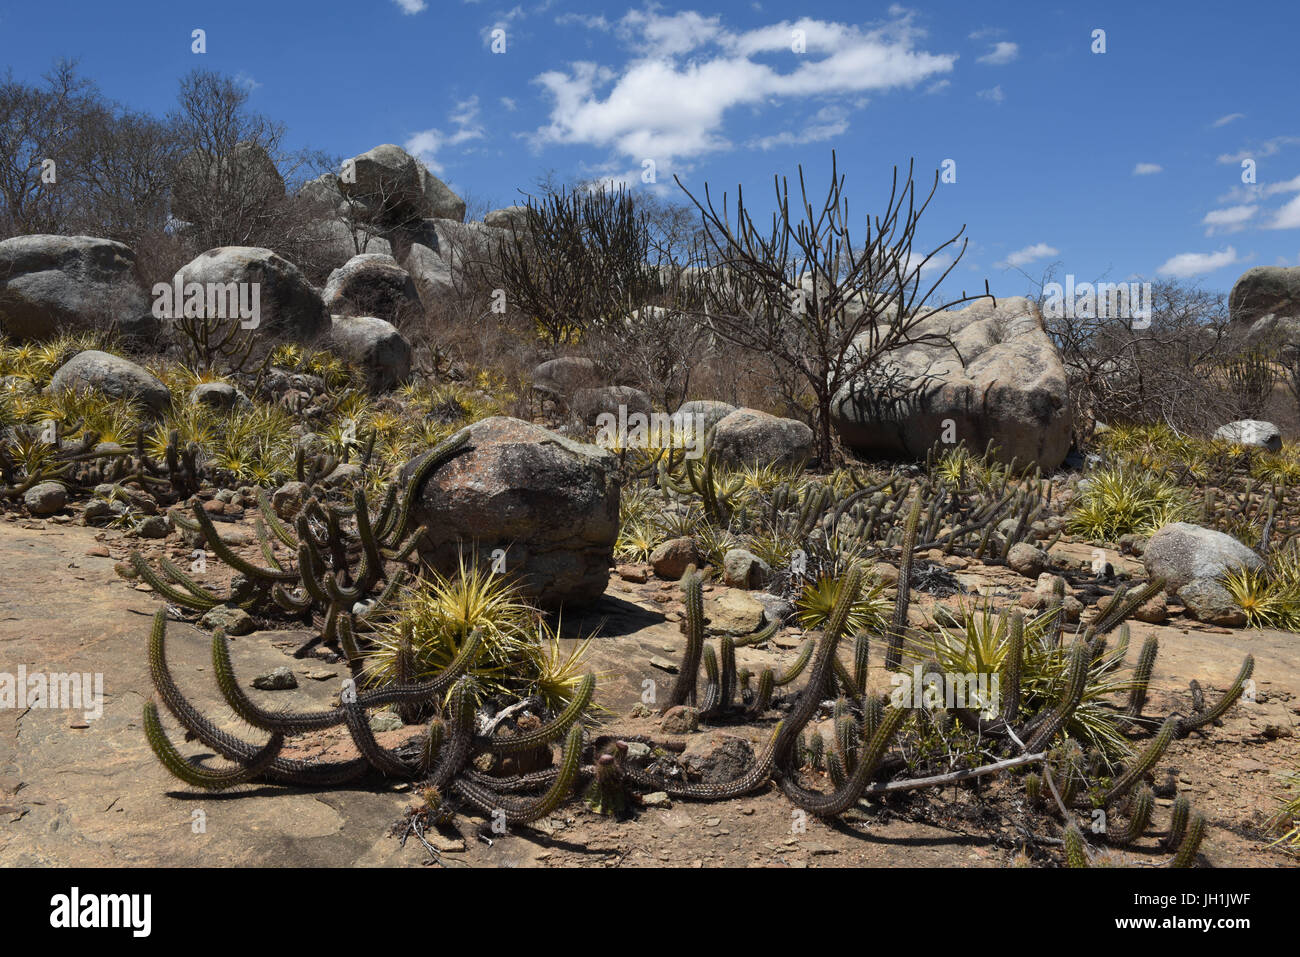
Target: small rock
{"x":1027,"y":560}
{"x":155,"y":526}
{"x":656,"y":799}
{"x":671,"y":559}
{"x":231,"y":620}
{"x":281,"y":679}
{"x":741,"y":568}
{"x":1153,"y":611}
{"x":664,"y":664}
{"x":385,"y":721}
{"x":681,"y":720}
{"x":636,"y":574}
{"x":288,"y":498}
{"x":45,"y":498}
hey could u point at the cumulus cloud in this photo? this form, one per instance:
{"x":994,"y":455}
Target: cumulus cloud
{"x":412,"y":6}
{"x":1004,"y":51}
{"x":426,"y":144}
{"x":671,"y":99}
{"x":994,"y":95}
{"x":1229,"y":220}
{"x":1187,"y":265}
{"x":1267,"y":148}
{"x":1147,"y":169}
{"x":1027,"y":255}
{"x":1288,"y":217}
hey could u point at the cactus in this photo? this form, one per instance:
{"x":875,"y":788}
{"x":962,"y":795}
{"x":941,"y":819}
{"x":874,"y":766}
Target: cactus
{"x":1191,"y":842}
{"x":1178,"y":822}
{"x":1143,"y":763}
{"x":1076,"y":854}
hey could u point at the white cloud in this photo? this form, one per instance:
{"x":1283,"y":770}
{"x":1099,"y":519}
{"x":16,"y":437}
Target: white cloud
{"x":827,"y":123}
{"x":1004,"y":51}
{"x":1186,"y":265}
{"x":426,"y":144}
{"x":1229,"y":220}
{"x":1267,"y":148}
{"x":509,"y":103}
{"x":662,"y":104}
{"x":995,"y":95}
{"x":412,"y":6}
{"x":1027,"y":255}
{"x":1146,"y":169}
{"x":1288,"y":217}
{"x":246,"y":81}
{"x":596,"y":22}
{"x":938,"y":86}
{"x":1225,"y":120}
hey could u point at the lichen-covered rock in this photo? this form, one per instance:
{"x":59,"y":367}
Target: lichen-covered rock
{"x":218,"y":395}
{"x":287,"y":306}
{"x":45,"y":498}
{"x":619,"y":401}
{"x":1253,"y":432}
{"x":987,"y":372}
{"x":548,"y":503}
{"x":372,"y":284}
{"x":50,"y":285}
{"x":373,"y":345}
{"x":564,"y":376}
{"x":671,"y":558}
{"x":741,"y":568}
{"x":113,"y":376}
{"x":1182,"y":553}
{"x":707,"y":412}
{"x":751,"y":437}
{"x":1208,"y":601}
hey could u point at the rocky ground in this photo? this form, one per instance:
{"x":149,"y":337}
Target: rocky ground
{"x":89,"y":792}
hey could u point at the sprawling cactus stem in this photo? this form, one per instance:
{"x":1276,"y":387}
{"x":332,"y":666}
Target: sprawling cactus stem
{"x":407,"y":710}
{"x":1137,"y":696}
{"x":847,"y":732}
{"x":1076,"y":681}
{"x":898,"y":627}
{"x":797,"y":666}
{"x":861,"y":665}
{"x":396,"y":528}
{"x":283,"y":770}
{"x":231,"y":558}
{"x":385,"y":761}
{"x":608,"y":793}
{"x":517,"y":811}
{"x":683,"y":689}
{"x":1143,"y":803}
{"x":196,"y":775}
{"x":816,"y":750}
{"x":1178,"y":822}
{"x":532,"y":740}
{"x":432,"y":744}
{"x":1056,"y":608}
{"x":1076,"y":854}
{"x":727,"y":686}
{"x":1011,"y":667}
{"x":285,"y":722}
{"x":1121,"y":607}
{"x":455,"y":752}
{"x":845,"y":796}
{"x":1144,"y":762}
{"x":757,"y":638}
{"x":188,"y":598}
{"x":1191,"y":842}
{"x":712,"y":682}
{"x":1187,"y":725}
{"x":1033,"y":788}
{"x":1069,"y":758}
{"x":763,"y":697}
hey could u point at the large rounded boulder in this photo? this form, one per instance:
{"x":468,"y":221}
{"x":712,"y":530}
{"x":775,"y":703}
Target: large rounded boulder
{"x":375,"y":346}
{"x":1265,"y":303}
{"x":50,"y":285}
{"x":751,"y":437}
{"x":547,"y":506}
{"x":113,"y":376}
{"x":287,"y":306}
{"x":389,"y":186}
{"x":372,"y":284}
{"x":984,"y":372}
{"x":1182,"y":553}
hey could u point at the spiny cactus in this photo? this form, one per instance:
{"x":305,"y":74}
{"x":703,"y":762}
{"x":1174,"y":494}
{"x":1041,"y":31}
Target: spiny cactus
{"x":1191,"y":842}
{"x":1076,"y":854}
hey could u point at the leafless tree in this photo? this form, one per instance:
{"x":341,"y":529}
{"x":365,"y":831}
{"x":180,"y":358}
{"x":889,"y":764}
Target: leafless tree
{"x":826,"y":308}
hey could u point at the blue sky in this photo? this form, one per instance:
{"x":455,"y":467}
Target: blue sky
{"x":1117,"y":164}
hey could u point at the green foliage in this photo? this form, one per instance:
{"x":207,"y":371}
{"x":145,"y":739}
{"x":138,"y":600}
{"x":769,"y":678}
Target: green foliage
{"x":1118,"y":501}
